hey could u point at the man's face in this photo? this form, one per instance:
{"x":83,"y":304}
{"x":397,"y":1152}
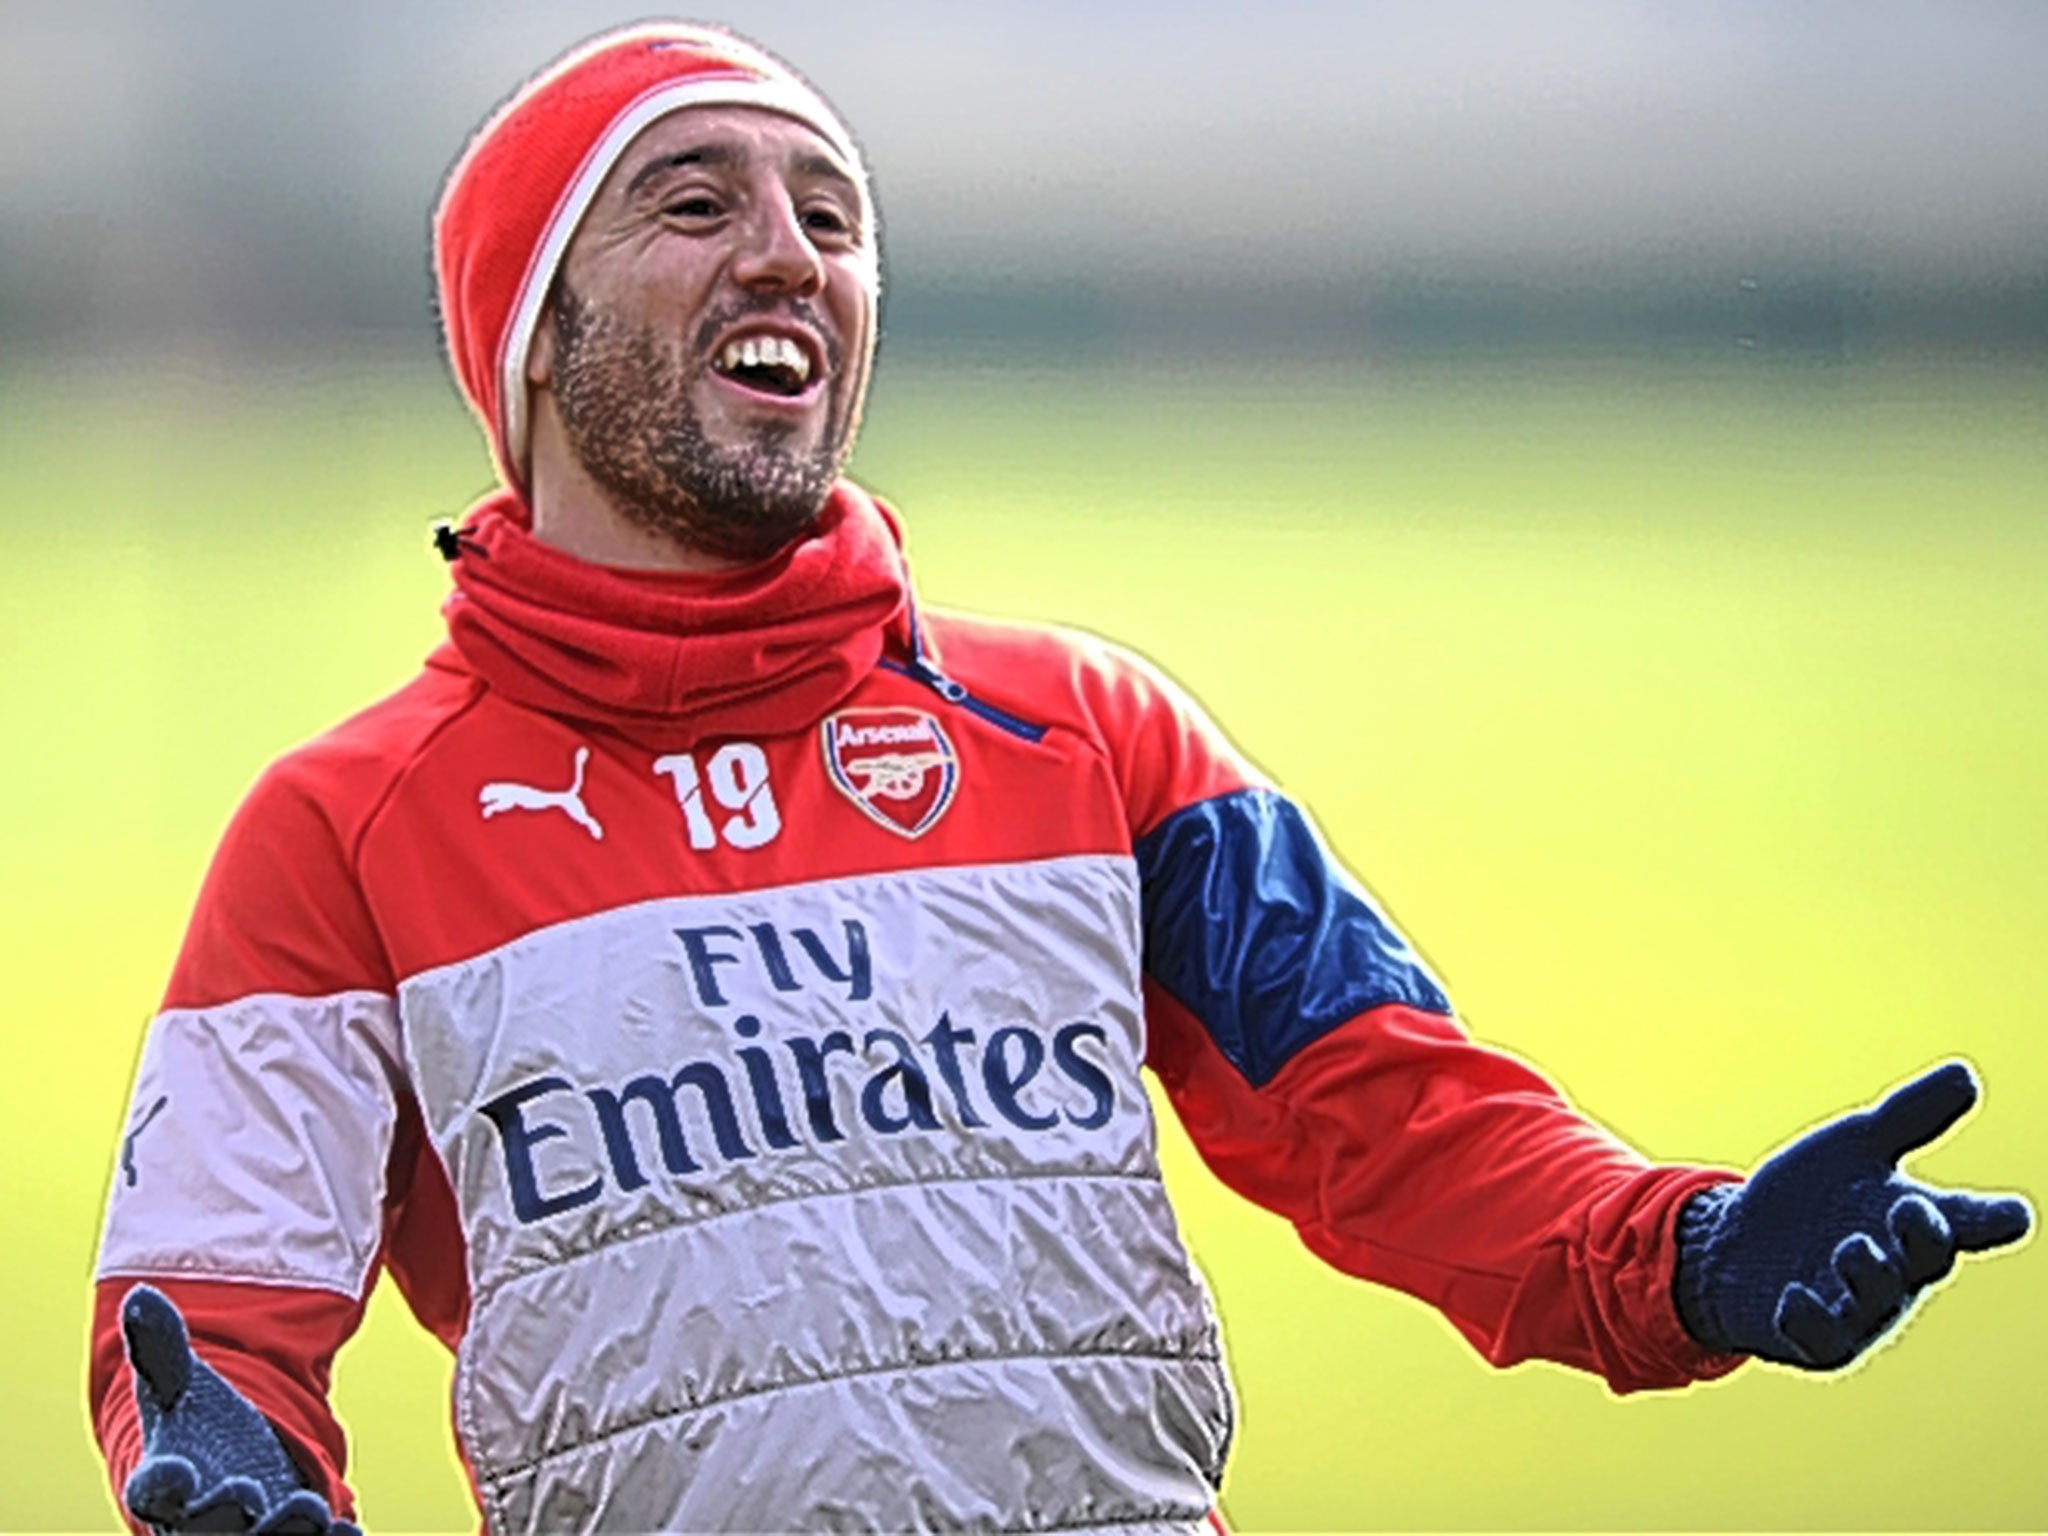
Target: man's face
{"x":710,"y":332}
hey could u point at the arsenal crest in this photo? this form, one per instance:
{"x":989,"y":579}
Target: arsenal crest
{"x":895,"y":764}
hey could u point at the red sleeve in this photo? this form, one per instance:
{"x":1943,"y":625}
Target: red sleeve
{"x":251,"y":1186}
{"x":1319,"y":1070}
{"x":1406,"y":1154}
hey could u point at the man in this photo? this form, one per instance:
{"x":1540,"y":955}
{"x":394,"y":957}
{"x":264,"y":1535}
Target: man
{"x":716,"y":989}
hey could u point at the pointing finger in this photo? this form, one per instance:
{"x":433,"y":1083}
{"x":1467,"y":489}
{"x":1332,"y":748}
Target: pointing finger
{"x":1914,"y":1115}
{"x":1985,"y":1221}
{"x":157,"y":1345}
{"x":1926,"y":1245}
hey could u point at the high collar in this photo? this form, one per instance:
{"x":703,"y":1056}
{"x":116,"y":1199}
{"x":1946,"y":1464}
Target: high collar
{"x":671,"y":659}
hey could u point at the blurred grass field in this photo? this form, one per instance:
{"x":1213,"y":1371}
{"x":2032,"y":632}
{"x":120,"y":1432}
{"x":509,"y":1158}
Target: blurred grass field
{"x":1693,"y":719}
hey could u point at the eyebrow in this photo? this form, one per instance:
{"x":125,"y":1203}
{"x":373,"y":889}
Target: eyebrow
{"x":704,"y":154}
{"x":827,"y":168}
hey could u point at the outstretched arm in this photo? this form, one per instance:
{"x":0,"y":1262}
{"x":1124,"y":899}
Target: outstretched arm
{"x":1320,"y":1071}
{"x":252,"y":1189}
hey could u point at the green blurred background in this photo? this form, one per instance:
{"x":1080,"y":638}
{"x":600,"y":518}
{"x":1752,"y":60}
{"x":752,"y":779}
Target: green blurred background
{"x":1659,"y":625}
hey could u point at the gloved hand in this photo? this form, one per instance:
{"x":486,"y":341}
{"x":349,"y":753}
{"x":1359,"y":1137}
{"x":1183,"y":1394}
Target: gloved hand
{"x":1826,"y":1245}
{"x":210,"y":1461}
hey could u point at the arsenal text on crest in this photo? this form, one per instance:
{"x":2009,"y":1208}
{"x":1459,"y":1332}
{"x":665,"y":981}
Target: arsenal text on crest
{"x":897,"y":765}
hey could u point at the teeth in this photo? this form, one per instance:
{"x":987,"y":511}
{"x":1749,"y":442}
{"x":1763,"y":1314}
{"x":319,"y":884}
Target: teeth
{"x":766,"y":352}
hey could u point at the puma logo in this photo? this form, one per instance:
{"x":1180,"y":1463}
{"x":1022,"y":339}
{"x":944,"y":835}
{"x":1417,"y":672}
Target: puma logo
{"x":128,"y":1143}
{"x":506,"y":796}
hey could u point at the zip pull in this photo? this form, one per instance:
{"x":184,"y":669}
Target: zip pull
{"x":937,"y":681}
{"x":956,"y":693}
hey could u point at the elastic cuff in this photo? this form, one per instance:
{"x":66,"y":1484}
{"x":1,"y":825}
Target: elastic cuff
{"x":1699,"y":1224}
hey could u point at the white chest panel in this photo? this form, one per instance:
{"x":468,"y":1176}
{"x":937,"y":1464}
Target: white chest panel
{"x":831,"y":1206}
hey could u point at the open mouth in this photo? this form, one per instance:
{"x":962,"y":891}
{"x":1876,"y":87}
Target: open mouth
{"x":768,"y":365}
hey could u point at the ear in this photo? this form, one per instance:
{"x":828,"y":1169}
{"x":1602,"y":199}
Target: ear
{"x":540,"y":355}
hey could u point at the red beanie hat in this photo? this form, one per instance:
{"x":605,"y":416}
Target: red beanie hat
{"x":520,"y":189}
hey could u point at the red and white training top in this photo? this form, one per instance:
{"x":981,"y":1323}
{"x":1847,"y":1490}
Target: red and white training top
{"x":757,"y":1114}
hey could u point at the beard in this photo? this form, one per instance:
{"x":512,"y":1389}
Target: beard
{"x":624,"y":399}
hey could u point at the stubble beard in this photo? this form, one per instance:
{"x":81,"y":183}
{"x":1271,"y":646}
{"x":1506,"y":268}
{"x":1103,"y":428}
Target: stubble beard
{"x":624,"y":398}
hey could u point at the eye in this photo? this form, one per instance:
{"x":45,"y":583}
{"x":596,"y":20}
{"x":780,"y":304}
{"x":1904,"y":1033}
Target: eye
{"x":698,"y":205}
{"x":825,"y":220}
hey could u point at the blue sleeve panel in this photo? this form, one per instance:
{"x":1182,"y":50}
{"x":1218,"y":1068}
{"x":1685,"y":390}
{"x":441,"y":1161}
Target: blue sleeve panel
{"x":1255,"y":930}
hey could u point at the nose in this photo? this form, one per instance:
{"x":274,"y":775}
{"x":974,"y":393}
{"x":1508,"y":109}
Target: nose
{"x":775,"y":255}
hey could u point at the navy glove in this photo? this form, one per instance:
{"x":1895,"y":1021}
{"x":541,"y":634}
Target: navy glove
{"x":210,"y":1461}
{"x":1827,"y":1244}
